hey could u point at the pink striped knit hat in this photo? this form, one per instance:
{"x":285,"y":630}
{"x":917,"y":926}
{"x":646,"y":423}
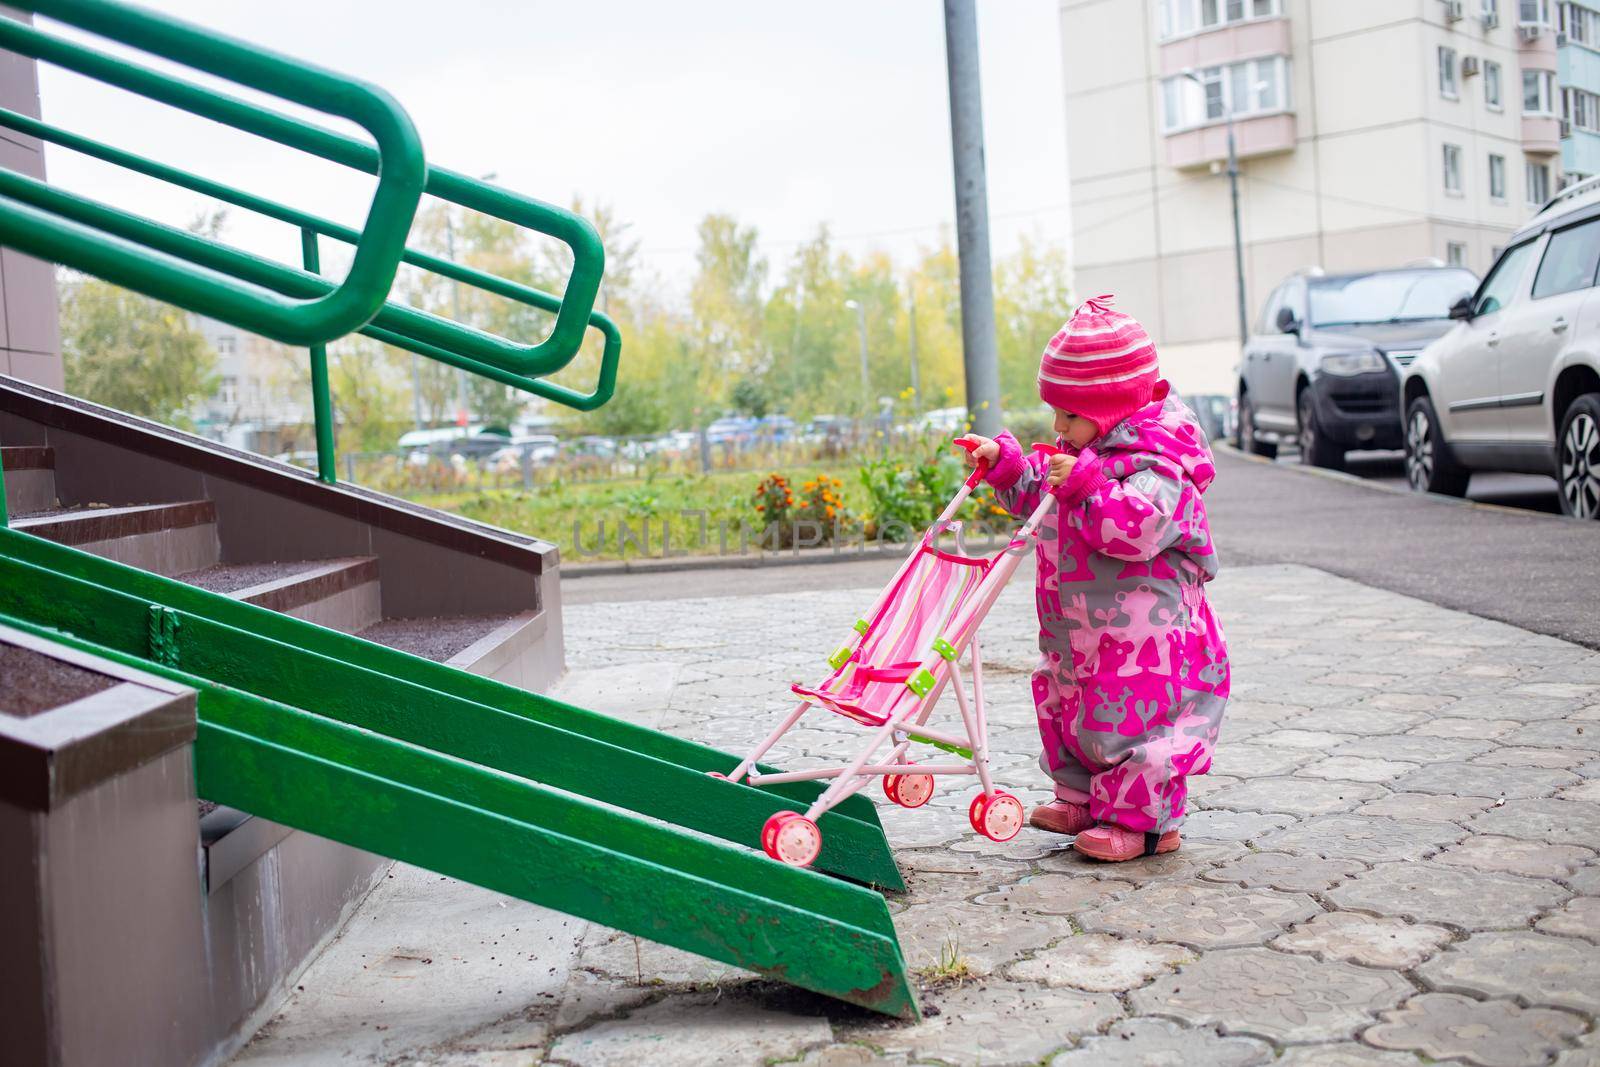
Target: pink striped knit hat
{"x":1101,"y":365}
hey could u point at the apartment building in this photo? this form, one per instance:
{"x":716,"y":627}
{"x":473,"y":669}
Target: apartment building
{"x":1578,"y":72}
{"x":261,"y":402}
{"x":1371,"y":133}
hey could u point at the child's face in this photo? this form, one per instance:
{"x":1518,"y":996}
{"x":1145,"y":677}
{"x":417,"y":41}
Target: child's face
{"x":1077,"y":430}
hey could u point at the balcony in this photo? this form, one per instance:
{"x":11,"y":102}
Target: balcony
{"x":1217,"y":48}
{"x":1536,"y":47}
{"x":1580,"y":153}
{"x":1256,"y":135}
{"x":1541,"y":134}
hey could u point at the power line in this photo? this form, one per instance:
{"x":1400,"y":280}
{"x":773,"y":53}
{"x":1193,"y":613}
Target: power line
{"x":1354,"y":202}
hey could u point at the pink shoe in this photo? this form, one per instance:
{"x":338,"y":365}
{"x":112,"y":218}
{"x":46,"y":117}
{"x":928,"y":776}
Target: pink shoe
{"x":1061,"y":817}
{"x":1114,"y":844}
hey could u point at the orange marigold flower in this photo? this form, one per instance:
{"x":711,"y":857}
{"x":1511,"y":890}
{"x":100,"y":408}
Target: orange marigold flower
{"x":761,"y":507}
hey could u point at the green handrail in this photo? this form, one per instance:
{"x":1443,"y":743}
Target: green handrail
{"x":426,"y":334}
{"x":588,"y":254}
{"x":397,"y":159}
{"x":395,"y":324}
{"x":214,"y":279}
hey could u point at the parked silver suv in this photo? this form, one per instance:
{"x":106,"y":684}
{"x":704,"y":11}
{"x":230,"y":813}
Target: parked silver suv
{"x":1515,"y":385}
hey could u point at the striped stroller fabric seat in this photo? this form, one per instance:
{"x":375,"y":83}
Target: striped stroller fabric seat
{"x":920,"y":607}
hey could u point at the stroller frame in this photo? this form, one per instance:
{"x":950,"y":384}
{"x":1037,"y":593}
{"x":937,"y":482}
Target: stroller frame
{"x":792,"y":837}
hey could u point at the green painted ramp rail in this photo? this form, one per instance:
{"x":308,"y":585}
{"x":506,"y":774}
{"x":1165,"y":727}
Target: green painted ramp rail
{"x":482,"y":781}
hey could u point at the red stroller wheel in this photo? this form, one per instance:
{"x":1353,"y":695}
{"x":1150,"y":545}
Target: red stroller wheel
{"x":909,"y":790}
{"x":791,"y":838}
{"x":997,"y":816}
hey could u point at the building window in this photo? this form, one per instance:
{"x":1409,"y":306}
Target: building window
{"x":1491,"y":13}
{"x":1452,"y":169}
{"x":1534,"y":13}
{"x":1581,"y":108}
{"x":1178,"y":18}
{"x":1455,"y":254}
{"x":227,"y":345}
{"x":1580,"y":24}
{"x":228,"y":392}
{"x":1491,"y":85}
{"x":1538,"y":183}
{"x":1497,"y":177}
{"x":1448,"y":87}
{"x":1538,"y":92}
{"x":1253,"y":87}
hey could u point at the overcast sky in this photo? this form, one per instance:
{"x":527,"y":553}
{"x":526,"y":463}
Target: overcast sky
{"x":784,"y":115}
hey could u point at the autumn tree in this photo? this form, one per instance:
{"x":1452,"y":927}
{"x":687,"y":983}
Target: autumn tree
{"x":132,"y":353}
{"x":1031,"y":301}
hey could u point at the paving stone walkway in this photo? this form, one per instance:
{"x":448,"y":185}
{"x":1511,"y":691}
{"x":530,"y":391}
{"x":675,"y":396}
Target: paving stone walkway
{"x":1394,"y":861}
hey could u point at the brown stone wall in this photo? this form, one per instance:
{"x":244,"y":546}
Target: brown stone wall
{"x":30,"y":328}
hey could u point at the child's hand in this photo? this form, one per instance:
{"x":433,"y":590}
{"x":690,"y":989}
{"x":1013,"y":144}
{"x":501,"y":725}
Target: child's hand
{"x":1060,"y":467}
{"x":988,"y":451}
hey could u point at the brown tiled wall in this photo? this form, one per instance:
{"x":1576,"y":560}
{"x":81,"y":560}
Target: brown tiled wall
{"x":30,"y":328}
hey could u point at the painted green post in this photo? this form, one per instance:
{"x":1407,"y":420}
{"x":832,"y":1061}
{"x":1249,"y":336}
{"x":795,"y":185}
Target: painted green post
{"x":321,"y":401}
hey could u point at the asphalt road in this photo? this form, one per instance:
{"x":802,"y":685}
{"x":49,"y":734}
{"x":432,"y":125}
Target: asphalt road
{"x":1530,"y":491}
{"x":1533,"y":570}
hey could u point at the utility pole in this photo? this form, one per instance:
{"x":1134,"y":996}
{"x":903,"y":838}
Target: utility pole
{"x":1233,"y":188}
{"x":416,"y":390}
{"x":972,"y":217}
{"x":1238,"y":240}
{"x":861,"y":328}
{"x":911,"y":330}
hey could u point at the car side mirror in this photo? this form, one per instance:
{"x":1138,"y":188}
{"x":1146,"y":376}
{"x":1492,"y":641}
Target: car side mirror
{"x":1287,"y":323}
{"x":1462,"y":309}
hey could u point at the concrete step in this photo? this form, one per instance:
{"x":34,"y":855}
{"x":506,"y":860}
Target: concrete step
{"x":341,"y":594}
{"x":166,"y":539}
{"x":495,"y":646}
{"x":30,"y":478}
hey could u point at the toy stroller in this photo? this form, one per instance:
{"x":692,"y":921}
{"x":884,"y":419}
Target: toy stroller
{"x":889,"y":677}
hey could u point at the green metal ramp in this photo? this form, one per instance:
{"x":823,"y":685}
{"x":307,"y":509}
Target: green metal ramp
{"x":353,"y":741}
{"x":481,"y":781}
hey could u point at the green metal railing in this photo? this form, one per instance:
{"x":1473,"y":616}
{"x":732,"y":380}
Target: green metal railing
{"x":400,"y":167}
{"x":141,"y":240}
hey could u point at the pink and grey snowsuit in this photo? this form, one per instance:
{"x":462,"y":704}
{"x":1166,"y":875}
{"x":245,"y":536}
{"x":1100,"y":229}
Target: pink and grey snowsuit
{"x":1133,"y":680}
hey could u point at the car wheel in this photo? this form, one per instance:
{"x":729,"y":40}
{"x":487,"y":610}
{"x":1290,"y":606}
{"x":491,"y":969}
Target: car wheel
{"x":1244,"y":434}
{"x":1429,"y":466}
{"x":1315,"y":448}
{"x":1578,"y":458}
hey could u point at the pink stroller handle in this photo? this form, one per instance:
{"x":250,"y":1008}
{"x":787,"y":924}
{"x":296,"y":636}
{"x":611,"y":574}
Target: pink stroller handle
{"x":976,"y":477}
{"x":1053,"y":450}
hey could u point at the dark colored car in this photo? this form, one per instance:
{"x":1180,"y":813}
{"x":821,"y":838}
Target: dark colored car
{"x":1324,"y":363}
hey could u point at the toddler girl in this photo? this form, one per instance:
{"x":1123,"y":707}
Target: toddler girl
{"x":1133,"y":679}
